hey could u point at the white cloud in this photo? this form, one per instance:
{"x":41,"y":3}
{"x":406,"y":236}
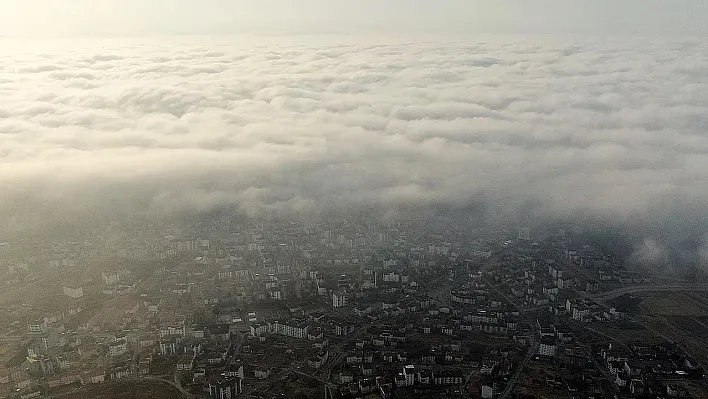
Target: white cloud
{"x":651,"y":252}
{"x":609,"y":128}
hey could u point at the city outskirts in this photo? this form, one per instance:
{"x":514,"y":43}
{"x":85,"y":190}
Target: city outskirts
{"x":353,"y":199}
{"x":344,"y":307}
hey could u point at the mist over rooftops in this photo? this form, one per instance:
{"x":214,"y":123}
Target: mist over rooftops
{"x":608,"y":130}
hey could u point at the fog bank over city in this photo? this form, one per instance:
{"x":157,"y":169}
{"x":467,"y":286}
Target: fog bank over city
{"x":592,"y":113}
{"x":361,"y":198}
{"x":537,"y":128}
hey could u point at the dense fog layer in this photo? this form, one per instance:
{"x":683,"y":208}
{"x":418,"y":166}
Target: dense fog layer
{"x":535,"y":128}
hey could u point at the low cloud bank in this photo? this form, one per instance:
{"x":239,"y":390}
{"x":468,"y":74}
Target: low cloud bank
{"x":535,"y":129}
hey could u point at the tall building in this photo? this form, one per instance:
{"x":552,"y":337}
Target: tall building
{"x":225,"y":387}
{"x":547,"y":347}
{"x":409,"y":374}
{"x":524,"y":233}
{"x":339,"y":299}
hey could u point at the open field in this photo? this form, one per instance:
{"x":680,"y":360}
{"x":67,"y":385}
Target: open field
{"x":126,"y":390}
{"x":674,"y":304}
{"x":679,"y":317}
{"x":658,"y":316}
{"x":628,"y":333}
{"x":694,"y":326}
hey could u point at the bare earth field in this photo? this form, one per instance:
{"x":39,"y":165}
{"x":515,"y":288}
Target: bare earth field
{"x":127,"y":390}
{"x":680,"y":317}
{"x":674,"y":304}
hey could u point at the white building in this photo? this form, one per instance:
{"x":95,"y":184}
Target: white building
{"x":112,"y":278}
{"x":168,"y":347}
{"x":118,"y":348}
{"x":391,"y":277}
{"x":172,"y":330}
{"x":289,"y":329}
{"x":447,"y":378}
{"x":93,"y":377}
{"x":73,"y":292}
{"x":547,"y":347}
{"x":234,"y":370}
{"x":339,"y":299}
{"x":38,"y":326}
{"x":487,"y":367}
{"x":261,"y":374}
{"x":524,"y":233}
{"x":295,"y":330}
{"x":259,"y":329}
{"x":226,"y":388}
{"x":489,"y":391}
{"x":409,"y":374}
{"x":580,"y":314}
{"x":186,"y":362}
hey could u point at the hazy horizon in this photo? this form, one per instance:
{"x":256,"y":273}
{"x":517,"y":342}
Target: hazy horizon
{"x":433,"y":114}
{"x":46,"y":18}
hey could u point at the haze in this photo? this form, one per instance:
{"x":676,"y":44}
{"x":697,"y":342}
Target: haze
{"x":136,"y":17}
{"x":538,"y":110}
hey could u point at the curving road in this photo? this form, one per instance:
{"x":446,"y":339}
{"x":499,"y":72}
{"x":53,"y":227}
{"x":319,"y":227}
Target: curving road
{"x":533,"y":347}
{"x":174,"y":381}
{"x":633,"y":289}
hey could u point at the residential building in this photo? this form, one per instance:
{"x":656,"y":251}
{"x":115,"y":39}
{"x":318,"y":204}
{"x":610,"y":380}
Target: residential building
{"x":547,"y":347}
{"x":38,"y":326}
{"x":118,"y":347}
{"x":73,"y":291}
{"x":225,"y":388}
{"x":339,"y":299}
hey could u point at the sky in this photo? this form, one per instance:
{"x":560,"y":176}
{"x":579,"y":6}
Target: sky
{"x":138,"y":17}
{"x":160,"y":108}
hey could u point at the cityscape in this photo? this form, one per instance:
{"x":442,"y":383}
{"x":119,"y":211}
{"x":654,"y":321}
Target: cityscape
{"x":347,"y":307}
{"x":353,"y":199}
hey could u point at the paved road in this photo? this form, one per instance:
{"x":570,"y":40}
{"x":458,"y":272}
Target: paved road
{"x":174,"y":381}
{"x":177,"y":384}
{"x":559,"y":257}
{"x":109,"y":383}
{"x":496,"y":289}
{"x":598,"y":365}
{"x":336,"y":352}
{"x":8,"y":336}
{"x":271,"y":380}
{"x":533,"y":347}
{"x":5,"y":294}
{"x":313,"y":377}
